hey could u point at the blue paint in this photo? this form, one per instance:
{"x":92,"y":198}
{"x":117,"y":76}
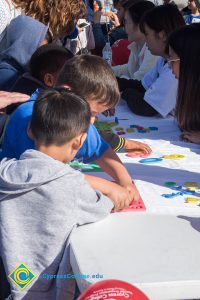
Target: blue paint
{"x":172,"y":195}
{"x":150,"y":160}
{"x":142,"y":131}
{"x":153,"y":128}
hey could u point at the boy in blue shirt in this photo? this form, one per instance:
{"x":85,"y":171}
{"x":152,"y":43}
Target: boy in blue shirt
{"x":91,"y":77}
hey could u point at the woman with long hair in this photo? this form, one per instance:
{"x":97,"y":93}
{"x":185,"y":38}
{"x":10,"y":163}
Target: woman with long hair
{"x":184,"y":59}
{"x":60,"y":16}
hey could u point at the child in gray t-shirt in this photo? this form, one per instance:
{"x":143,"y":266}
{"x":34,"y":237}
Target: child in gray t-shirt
{"x":42,"y":199}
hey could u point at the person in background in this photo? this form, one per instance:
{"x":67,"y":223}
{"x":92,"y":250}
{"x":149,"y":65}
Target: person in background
{"x":84,"y":42}
{"x":44,"y":67}
{"x":42,"y":74}
{"x":194,"y":15}
{"x":140,"y":60}
{"x":23,"y":36}
{"x":116,"y":20}
{"x":156,"y":92}
{"x":60,"y":16}
{"x":184,"y":59}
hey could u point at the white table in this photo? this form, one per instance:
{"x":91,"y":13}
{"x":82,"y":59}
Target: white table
{"x":159,"y":254}
{"x":154,"y":250}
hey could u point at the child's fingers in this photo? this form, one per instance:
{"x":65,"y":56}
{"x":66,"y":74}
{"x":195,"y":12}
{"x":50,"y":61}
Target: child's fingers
{"x":133,"y":145}
{"x":144,"y":147}
{"x":128,"y":202}
{"x":119,"y":205}
{"x":147,"y":149}
{"x":185,"y":137}
{"x":133,"y":193}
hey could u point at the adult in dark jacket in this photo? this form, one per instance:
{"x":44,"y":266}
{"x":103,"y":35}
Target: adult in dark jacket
{"x":22,"y":37}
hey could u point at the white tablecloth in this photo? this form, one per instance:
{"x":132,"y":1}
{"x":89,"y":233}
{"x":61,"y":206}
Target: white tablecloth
{"x":157,"y":253}
{"x":156,"y":250}
{"x":150,"y":178}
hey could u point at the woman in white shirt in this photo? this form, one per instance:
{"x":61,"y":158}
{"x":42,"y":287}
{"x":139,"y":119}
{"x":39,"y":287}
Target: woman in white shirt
{"x":156,"y":93}
{"x":140,"y":60}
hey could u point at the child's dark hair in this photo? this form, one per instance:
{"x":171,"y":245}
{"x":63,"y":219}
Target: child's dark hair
{"x":91,"y":77}
{"x":58,"y":116}
{"x":165,"y":18}
{"x":185,"y":42}
{"x":48,"y":58}
{"x":138,"y":9}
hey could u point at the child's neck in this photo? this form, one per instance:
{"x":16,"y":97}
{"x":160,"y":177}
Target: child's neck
{"x":195,"y":12}
{"x":51,"y":151}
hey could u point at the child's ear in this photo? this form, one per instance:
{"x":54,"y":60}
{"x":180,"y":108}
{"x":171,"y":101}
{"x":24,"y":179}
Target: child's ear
{"x":162,"y":36}
{"x":78,"y":141}
{"x":49,"y":80}
{"x":29,"y":132}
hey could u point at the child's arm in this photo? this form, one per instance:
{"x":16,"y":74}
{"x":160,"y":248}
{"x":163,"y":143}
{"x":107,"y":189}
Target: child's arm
{"x":117,"y":142}
{"x":112,"y":165}
{"x":118,"y":195}
{"x":92,"y":205}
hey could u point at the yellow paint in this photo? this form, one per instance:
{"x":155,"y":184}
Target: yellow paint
{"x":174,"y":156}
{"x":192,"y":200}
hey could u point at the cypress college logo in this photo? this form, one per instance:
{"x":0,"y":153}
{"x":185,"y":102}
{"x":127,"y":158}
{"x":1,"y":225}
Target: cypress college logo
{"x":22,"y":276}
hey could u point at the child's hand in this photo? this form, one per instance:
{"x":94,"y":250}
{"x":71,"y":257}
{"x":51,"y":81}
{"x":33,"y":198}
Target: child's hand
{"x":133,"y":192}
{"x":133,"y":145}
{"x":192,"y":137}
{"x":120,"y":197}
{"x":7,"y":98}
{"x":114,"y":20}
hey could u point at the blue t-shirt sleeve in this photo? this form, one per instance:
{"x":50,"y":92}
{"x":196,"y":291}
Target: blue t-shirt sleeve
{"x":93,"y":147}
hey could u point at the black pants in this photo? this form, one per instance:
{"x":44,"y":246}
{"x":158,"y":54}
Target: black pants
{"x":133,"y":93}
